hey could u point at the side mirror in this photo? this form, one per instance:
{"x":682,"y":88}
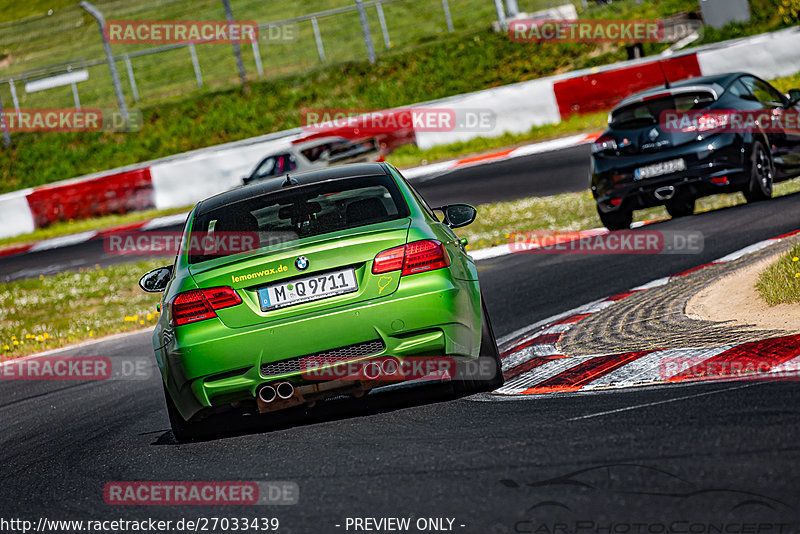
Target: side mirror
{"x":794,"y":96}
{"x":458,"y":215}
{"x":156,"y":280}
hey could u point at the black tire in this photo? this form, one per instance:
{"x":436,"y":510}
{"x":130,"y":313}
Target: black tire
{"x":487,"y":375}
{"x":616,"y":220}
{"x":762,"y":174}
{"x":682,"y":207}
{"x":182,"y":430}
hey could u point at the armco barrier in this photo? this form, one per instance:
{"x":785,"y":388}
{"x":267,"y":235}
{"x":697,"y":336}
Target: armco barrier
{"x":183,"y":179}
{"x":770,"y":55}
{"x":517,"y":108}
{"x":602,"y":90}
{"x":114,"y":193}
{"x":15,"y":214}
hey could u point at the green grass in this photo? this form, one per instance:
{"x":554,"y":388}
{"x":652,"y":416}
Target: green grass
{"x":12,"y":10}
{"x":436,"y":66}
{"x":780,"y":282}
{"x":765,"y":16}
{"x":53,"y":311}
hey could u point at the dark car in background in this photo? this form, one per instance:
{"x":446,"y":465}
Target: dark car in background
{"x":639,"y":162}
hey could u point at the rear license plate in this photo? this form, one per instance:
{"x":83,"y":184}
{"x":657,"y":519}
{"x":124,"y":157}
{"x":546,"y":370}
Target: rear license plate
{"x":660,"y":169}
{"x":315,"y":287}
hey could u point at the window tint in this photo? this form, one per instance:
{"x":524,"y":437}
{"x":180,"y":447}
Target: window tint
{"x":276,"y":165}
{"x":298,"y":212}
{"x":738,"y":89}
{"x":763,"y":91}
{"x":647,"y":113}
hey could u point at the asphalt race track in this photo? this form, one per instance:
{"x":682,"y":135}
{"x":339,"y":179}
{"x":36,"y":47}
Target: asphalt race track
{"x":505,"y":180}
{"x":691,"y":458}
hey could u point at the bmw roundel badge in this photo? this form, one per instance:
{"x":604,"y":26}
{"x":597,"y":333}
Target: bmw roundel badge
{"x":301,"y":263}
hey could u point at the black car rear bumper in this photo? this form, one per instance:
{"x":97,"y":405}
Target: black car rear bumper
{"x":707,"y":163}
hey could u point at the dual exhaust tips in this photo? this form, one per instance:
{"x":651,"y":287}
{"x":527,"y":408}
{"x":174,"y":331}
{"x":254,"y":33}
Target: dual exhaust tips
{"x":283,"y":390}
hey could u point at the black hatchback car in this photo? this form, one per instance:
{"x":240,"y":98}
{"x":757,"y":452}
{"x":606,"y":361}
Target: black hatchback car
{"x":640,"y":162}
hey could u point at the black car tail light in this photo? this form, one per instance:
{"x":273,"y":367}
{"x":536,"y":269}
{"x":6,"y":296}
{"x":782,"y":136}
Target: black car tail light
{"x":604,"y":143}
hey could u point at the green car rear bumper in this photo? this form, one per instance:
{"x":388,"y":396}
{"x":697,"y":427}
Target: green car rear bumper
{"x":208,"y":364}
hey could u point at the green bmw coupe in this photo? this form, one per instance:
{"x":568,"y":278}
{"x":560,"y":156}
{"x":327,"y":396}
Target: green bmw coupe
{"x":350,"y":281}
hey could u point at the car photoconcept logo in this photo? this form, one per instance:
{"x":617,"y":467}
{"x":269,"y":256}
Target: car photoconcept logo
{"x":653,"y":134}
{"x":301,"y":263}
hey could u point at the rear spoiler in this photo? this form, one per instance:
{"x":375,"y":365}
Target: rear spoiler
{"x":713,"y":90}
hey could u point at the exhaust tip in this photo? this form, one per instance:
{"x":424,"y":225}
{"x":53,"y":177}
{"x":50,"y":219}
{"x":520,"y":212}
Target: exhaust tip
{"x":372,"y":370}
{"x":390,"y":366}
{"x":267,"y":394}
{"x":285,"y":390}
{"x":665,"y":193}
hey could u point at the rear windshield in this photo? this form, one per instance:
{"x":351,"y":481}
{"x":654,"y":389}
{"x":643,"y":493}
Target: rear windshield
{"x":297,"y":212}
{"x":642,"y":114}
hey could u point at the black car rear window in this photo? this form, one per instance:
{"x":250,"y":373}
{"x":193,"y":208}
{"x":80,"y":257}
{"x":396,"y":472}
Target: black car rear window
{"x":647,"y":113}
{"x":302,"y":211}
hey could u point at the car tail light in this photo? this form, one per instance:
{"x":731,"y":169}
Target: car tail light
{"x":615,"y":201}
{"x":603,"y":143}
{"x":424,"y":256}
{"x":711,"y":121}
{"x":200,"y":304}
{"x":389,"y":260}
{"x":719,"y":180}
{"x":416,"y":257}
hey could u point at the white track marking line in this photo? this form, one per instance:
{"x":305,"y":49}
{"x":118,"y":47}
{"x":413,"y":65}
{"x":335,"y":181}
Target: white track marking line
{"x":166,"y":220}
{"x":755,"y":247}
{"x":649,"y":404}
{"x":63,"y":241}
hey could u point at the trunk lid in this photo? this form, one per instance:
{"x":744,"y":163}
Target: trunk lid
{"x":353,"y":248}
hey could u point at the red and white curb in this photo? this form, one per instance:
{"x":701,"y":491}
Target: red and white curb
{"x":532,"y":363}
{"x":82,"y":237}
{"x":437,"y":169}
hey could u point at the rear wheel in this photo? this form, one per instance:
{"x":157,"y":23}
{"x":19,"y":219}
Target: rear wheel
{"x":762,"y":175}
{"x":182,"y":429}
{"x":680,"y":207}
{"x":616,"y":220}
{"x":486,"y":373}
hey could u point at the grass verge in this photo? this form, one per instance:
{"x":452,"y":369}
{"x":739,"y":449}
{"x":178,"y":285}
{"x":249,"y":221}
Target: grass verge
{"x":53,"y":311}
{"x":780,"y":282}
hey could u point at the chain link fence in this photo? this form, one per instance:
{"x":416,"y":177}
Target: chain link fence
{"x":294,"y":38}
